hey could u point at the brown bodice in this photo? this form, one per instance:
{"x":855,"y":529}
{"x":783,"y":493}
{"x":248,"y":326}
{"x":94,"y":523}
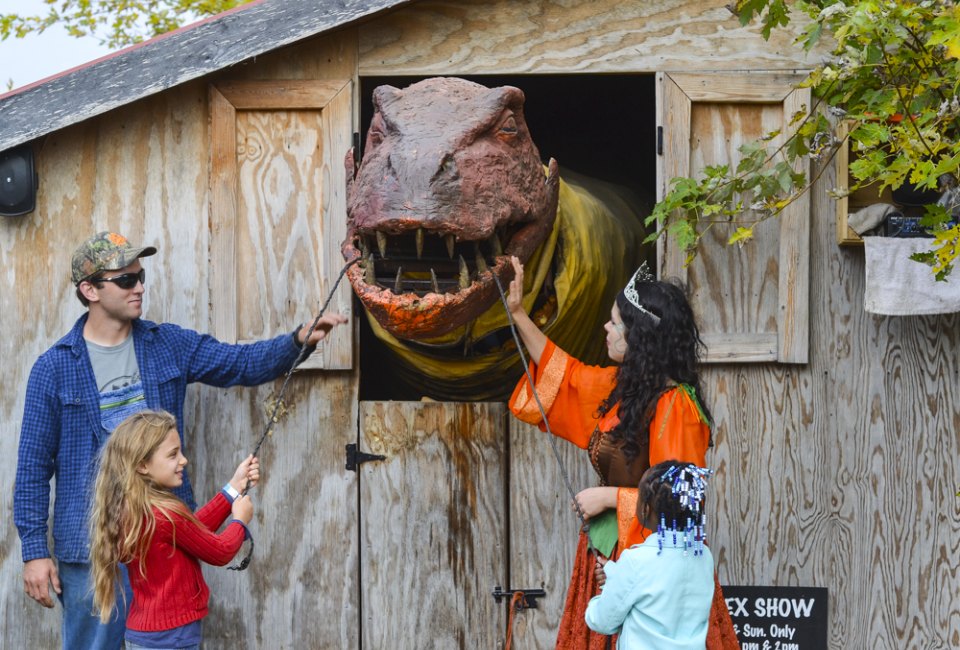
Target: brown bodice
{"x":611,"y":465}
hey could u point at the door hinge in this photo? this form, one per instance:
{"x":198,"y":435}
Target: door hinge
{"x":659,"y":140}
{"x":355,"y":457}
{"x":528,"y":601}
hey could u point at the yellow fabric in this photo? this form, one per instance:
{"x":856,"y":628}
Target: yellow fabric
{"x":594,"y":245}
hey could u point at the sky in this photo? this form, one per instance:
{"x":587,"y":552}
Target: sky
{"x":25,"y":60}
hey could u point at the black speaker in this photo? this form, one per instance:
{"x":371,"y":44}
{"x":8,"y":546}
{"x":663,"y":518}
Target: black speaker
{"x":18,"y":181}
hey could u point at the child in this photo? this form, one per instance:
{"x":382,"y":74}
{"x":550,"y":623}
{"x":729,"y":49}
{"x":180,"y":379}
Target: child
{"x":657,"y":595}
{"x":137,"y":520}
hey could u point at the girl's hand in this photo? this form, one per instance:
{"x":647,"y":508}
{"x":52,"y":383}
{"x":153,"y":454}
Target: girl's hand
{"x":598,"y":572}
{"x":242,"y":508}
{"x":595,"y":500}
{"x":248,"y":470}
{"x":515,"y":290}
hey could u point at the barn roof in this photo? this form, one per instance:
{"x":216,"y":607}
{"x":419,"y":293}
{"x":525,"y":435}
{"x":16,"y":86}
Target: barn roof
{"x":168,"y":60}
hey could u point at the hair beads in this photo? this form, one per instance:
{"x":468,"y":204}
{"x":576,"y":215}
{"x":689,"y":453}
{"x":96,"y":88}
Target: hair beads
{"x":688,"y":484}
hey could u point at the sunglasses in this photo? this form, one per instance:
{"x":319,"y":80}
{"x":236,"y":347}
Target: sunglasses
{"x":125,"y":280}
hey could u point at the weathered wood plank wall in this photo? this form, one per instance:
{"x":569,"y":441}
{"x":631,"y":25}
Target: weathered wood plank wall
{"x":838,"y":473}
{"x":143,"y":170}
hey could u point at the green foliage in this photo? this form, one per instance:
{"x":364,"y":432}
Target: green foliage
{"x":116,"y":23}
{"x":892,"y":78}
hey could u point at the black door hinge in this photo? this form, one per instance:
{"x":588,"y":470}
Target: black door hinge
{"x":528,"y":601}
{"x":355,"y":457}
{"x":659,"y":140}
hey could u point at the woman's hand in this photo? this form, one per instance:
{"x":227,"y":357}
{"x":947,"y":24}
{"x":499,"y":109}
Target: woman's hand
{"x":595,"y":500}
{"x":242,"y":508}
{"x":515,"y":290}
{"x":248,"y":470}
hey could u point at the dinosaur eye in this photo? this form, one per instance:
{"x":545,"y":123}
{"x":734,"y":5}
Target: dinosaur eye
{"x":375,"y":134}
{"x":508,"y":129}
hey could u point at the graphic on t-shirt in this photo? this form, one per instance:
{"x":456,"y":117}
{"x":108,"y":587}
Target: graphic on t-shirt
{"x":120,"y":382}
{"x":117,"y":405}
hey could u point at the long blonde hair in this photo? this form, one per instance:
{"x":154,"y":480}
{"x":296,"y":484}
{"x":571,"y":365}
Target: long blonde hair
{"x":122,"y":522}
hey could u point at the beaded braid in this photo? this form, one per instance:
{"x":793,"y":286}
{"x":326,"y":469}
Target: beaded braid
{"x":674,"y":492}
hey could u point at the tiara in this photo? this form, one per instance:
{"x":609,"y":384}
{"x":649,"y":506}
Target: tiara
{"x":630,"y":291}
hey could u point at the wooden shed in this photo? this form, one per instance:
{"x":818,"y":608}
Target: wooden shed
{"x":222,"y":144}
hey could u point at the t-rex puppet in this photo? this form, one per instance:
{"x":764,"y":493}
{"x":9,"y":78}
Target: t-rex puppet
{"x":451,"y":185}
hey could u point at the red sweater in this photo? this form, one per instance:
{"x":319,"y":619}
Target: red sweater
{"x":174,"y":593}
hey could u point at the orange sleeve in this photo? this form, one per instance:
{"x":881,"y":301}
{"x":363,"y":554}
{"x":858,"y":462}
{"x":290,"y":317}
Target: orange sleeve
{"x":676,"y":433}
{"x":570,"y":392}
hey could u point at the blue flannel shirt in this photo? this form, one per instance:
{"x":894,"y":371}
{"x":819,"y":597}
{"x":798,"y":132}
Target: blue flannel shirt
{"x":61,"y":433}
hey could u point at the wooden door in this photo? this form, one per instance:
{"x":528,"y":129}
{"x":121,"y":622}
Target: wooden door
{"x":544,"y":529}
{"x":751,"y":302}
{"x":432,"y":525}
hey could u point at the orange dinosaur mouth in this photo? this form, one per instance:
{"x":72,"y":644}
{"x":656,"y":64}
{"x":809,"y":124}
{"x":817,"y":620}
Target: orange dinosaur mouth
{"x":422,"y":284}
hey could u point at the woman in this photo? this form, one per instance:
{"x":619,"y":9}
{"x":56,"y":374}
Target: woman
{"x":629,"y":417}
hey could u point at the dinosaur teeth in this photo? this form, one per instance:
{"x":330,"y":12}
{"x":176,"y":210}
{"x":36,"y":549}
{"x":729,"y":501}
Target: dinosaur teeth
{"x":495,"y":245}
{"x":478,"y":260}
{"x":433,"y":279}
{"x":451,"y":240}
{"x":464,"y":274}
{"x":382,"y":243}
{"x":369,"y":276}
{"x":398,"y":283}
{"x":419,"y":238}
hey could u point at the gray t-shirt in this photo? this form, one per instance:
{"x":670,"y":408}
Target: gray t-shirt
{"x":118,"y":380}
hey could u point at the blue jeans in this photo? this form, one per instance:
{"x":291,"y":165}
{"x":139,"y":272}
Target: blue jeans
{"x":82,"y":629}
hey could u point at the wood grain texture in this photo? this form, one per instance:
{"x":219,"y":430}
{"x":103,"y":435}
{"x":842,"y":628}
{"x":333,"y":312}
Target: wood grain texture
{"x":753,"y":299}
{"x":544,"y":529}
{"x":275,"y":175}
{"x":565,"y":36}
{"x":305,"y":566}
{"x":432,"y":524}
{"x":840,"y":473}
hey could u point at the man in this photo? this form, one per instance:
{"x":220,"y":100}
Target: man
{"x":111,"y":364}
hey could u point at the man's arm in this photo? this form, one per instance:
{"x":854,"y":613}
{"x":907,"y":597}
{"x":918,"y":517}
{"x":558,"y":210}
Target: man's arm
{"x":213,"y":362}
{"x":37,"y":452}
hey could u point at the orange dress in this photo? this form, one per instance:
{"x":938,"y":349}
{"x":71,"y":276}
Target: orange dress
{"x":571,"y":392}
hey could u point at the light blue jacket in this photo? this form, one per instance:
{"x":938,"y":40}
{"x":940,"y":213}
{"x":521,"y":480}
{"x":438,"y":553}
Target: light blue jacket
{"x":655,"y":602}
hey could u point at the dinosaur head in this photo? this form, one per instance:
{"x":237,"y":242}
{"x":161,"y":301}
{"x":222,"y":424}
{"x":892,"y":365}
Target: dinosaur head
{"x":450,"y":186}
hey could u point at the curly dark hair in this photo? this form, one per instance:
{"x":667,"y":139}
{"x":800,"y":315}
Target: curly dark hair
{"x":658,"y":356}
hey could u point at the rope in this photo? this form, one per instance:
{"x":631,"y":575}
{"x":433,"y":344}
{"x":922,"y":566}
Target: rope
{"x":305,"y":351}
{"x":516,"y":603}
{"x":585,"y":527}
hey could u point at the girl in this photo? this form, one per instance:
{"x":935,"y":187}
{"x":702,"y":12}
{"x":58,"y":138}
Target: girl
{"x":137,"y":520}
{"x":657,"y":595}
{"x":640,"y":412}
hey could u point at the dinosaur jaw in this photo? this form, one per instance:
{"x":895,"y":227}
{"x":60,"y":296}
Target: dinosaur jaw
{"x":420,"y":285}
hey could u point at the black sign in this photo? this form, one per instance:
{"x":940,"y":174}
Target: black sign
{"x":779,"y":618}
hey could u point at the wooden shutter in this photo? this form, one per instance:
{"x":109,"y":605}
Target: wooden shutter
{"x":751,"y":301}
{"x":278,"y":209}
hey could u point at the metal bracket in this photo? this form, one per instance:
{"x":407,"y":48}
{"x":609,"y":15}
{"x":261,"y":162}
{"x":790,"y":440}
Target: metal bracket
{"x":529,"y":600}
{"x":355,"y":457}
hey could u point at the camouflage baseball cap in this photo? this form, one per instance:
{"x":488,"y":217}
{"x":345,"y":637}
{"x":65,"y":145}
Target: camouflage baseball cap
{"x":105,"y":251}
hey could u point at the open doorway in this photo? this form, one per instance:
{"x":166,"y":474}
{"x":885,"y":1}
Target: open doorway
{"x":602,"y":126}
